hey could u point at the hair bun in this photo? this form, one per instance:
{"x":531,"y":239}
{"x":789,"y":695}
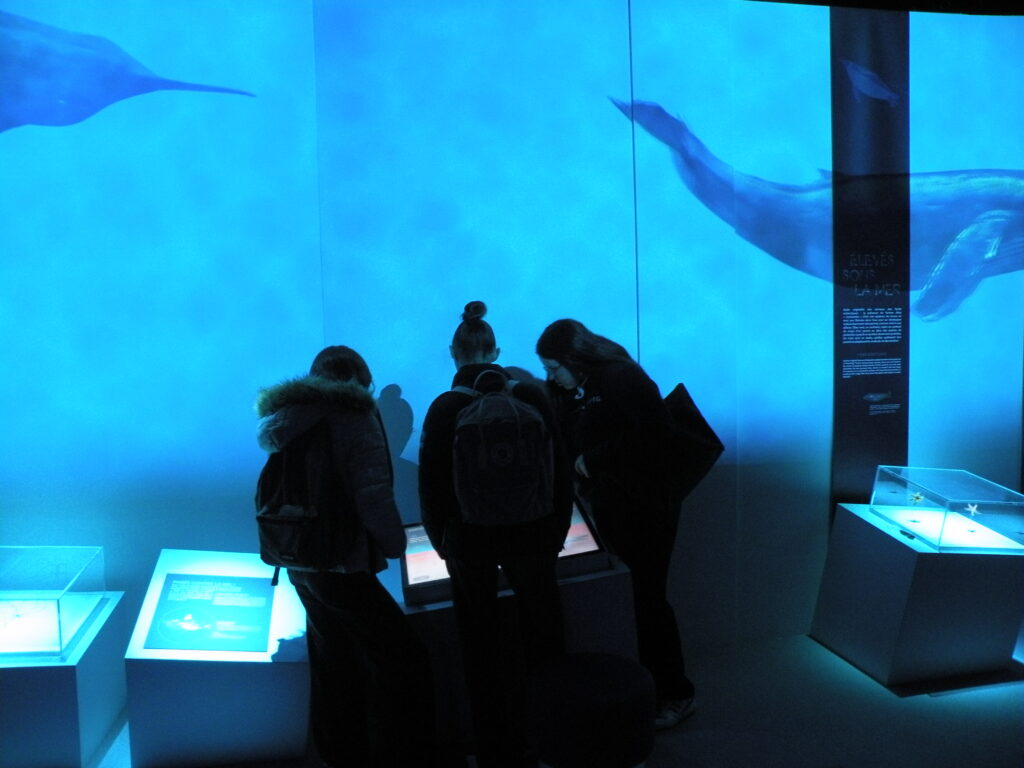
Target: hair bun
{"x":475,"y":310}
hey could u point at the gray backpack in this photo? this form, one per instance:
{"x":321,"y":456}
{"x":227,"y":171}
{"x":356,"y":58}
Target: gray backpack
{"x":503,"y":457}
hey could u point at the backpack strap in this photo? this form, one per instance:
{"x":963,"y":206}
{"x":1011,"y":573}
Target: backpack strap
{"x":510,"y":384}
{"x":491,"y":372}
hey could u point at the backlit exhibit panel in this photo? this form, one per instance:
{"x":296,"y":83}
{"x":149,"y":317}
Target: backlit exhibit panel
{"x":47,"y":596}
{"x":422,"y":561}
{"x":216,"y":606}
{"x":212,"y":613}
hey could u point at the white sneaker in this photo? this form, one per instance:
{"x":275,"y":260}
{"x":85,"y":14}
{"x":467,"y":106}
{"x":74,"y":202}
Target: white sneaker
{"x":672,"y":712}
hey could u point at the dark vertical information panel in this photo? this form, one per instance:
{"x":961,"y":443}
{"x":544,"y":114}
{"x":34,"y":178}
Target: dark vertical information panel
{"x":871,"y":241}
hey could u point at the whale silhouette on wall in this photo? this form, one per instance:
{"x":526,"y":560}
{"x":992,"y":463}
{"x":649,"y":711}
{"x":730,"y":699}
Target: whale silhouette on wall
{"x":966,"y":225}
{"x":49,"y":76}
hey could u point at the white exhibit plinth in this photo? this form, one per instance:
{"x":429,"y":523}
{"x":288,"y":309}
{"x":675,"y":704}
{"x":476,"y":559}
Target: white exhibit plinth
{"x":217,"y":669}
{"x":58,"y":709}
{"x":211,"y":673}
{"x":905,"y":613}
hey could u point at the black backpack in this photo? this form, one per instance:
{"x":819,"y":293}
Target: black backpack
{"x":294,"y":533}
{"x":695,"y":446}
{"x":502,"y":457}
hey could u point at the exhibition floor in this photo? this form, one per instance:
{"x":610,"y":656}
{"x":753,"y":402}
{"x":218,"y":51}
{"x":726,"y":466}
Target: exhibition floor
{"x":791,"y":703}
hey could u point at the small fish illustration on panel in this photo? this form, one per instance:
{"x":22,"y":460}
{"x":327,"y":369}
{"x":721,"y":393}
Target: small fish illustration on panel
{"x":877,"y":397}
{"x":869,"y":84}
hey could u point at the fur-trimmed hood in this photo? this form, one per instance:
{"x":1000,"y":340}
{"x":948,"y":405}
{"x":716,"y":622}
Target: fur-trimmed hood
{"x":290,"y":408}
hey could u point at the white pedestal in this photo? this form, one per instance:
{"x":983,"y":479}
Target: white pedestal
{"x":219,"y":696}
{"x":904,"y":613}
{"x":201,"y":707}
{"x":58,"y":712}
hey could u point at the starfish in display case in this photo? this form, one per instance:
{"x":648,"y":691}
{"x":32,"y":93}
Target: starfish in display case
{"x":972,"y":510}
{"x":916,"y":497}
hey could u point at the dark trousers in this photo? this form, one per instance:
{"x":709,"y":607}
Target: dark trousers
{"x":371,"y":689}
{"x":644,"y":539}
{"x":496,"y":677}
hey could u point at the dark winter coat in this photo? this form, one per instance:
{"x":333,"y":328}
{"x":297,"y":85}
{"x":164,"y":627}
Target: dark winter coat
{"x":360,"y":458}
{"x":618,"y":422}
{"x":440,"y":507}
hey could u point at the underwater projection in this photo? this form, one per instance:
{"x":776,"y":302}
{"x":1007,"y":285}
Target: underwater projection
{"x":970,"y":223}
{"x":166,"y":257}
{"x":52,"y":76}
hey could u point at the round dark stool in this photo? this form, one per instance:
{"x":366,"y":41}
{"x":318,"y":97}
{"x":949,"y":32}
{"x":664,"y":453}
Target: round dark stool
{"x":592,"y":710}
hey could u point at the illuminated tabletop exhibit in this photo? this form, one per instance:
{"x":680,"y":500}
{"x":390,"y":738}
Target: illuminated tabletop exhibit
{"x":212,"y":632}
{"x":214,"y":637}
{"x":925,"y":583}
{"x":60,"y":632}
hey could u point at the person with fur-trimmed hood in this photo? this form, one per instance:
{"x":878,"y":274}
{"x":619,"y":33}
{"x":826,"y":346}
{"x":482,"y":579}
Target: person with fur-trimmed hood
{"x":371,"y":689}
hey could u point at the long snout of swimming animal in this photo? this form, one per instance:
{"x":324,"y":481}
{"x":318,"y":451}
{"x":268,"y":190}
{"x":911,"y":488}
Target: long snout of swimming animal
{"x":161,"y":84}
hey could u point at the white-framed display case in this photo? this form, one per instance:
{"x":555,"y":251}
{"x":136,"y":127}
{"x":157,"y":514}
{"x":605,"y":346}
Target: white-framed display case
{"x":950,"y":510}
{"x":48,"y":595}
{"x":61,"y":668}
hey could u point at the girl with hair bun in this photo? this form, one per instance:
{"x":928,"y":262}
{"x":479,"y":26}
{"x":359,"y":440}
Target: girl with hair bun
{"x":473,"y":341}
{"x":617,"y":429}
{"x":526,"y":551}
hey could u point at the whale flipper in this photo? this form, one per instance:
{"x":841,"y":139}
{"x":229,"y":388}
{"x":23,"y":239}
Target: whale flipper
{"x":973,"y":255}
{"x":49,"y":76}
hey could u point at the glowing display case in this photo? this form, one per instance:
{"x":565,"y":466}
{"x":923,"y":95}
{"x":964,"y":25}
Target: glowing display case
{"x":950,"y":510}
{"x":48,"y":595}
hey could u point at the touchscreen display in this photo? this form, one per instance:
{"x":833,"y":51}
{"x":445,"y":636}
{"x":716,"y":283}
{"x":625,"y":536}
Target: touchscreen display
{"x":423,"y":565}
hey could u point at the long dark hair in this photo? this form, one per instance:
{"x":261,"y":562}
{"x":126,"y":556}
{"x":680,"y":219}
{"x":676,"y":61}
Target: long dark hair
{"x":341,"y":364}
{"x":474,"y":337}
{"x":578,"y":348}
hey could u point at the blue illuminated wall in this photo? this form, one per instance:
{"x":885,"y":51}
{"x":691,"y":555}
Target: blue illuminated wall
{"x":965,"y":371}
{"x":159,"y":261}
{"x":165,"y":257}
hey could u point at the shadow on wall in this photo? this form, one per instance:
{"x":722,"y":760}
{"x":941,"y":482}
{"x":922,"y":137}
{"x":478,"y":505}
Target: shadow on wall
{"x":397,"y":415}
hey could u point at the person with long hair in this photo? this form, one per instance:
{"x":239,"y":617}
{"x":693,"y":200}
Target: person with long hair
{"x":618,"y":433}
{"x":371,"y":688}
{"x":526,"y":551}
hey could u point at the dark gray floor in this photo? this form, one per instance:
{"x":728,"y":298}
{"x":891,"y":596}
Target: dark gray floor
{"x":793,"y":704}
{"x":790,"y":703}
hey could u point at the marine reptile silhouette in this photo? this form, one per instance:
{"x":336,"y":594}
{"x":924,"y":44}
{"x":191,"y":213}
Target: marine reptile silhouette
{"x":49,"y":76}
{"x":967,"y":225}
